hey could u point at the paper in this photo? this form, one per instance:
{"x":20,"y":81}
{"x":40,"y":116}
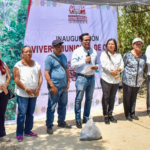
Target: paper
{"x":88,"y":68}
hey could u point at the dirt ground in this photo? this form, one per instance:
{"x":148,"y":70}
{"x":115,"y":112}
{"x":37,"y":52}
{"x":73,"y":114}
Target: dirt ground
{"x":124,"y":135}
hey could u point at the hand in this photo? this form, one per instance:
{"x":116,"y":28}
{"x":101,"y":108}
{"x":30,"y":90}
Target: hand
{"x":88,"y":59}
{"x":94,"y":68}
{"x":119,"y":69}
{"x":30,"y":92}
{"x":54,"y":90}
{"x":4,"y":88}
{"x":68,"y":85}
{"x":116,"y":77}
{"x":36,"y":92}
{"x":113,"y":72}
{"x":5,"y":91}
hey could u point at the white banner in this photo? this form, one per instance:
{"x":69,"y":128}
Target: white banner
{"x":48,"y":21}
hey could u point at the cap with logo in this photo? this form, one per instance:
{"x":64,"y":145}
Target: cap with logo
{"x":137,"y":40}
{"x":56,"y":42}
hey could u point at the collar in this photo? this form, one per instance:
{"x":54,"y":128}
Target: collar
{"x":112,"y":55}
{"x":85,"y":49}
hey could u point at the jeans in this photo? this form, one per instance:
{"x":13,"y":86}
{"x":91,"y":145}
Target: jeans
{"x":62,"y":99}
{"x":148,"y":94}
{"x":3,"y":105}
{"x":129,"y":99}
{"x":26,"y":107}
{"x":108,"y":99}
{"x":84,"y":84}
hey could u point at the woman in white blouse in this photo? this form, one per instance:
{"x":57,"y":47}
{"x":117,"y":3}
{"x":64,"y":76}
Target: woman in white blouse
{"x":112,"y":65}
{"x":4,"y":82}
{"x":28,"y":79}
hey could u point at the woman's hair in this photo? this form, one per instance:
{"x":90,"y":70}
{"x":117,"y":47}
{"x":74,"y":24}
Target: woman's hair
{"x":22,"y":50}
{"x":107,"y":50}
{"x":2,"y":68}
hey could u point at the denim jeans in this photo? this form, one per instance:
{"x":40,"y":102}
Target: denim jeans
{"x":61,"y":98}
{"x":84,"y":84}
{"x":26,"y":107}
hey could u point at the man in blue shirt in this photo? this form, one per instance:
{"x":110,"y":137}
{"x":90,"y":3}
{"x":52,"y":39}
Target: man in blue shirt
{"x":83,"y":57}
{"x":57,"y":76}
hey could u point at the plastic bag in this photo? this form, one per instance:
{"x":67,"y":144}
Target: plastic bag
{"x":90,"y":131}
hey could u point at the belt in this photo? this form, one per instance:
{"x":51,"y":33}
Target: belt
{"x":88,"y":76}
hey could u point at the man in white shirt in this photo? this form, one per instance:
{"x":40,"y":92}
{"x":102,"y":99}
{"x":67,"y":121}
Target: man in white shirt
{"x":85,"y":81}
{"x":148,"y":73}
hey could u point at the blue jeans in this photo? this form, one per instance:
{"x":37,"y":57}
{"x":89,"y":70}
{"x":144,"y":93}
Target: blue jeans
{"x":26,"y":107}
{"x":84,"y":84}
{"x":62,"y":99}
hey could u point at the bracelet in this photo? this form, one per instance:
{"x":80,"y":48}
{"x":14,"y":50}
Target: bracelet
{"x":38,"y":87}
{"x":26,"y":89}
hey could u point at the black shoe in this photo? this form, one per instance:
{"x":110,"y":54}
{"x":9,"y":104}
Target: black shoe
{"x":85,"y":121}
{"x":49,"y":130}
{"x":106,"y":120}
{"x":134,"y":117}
{"x":129,"y":118}
{"x":78,"y":124}
{"x":64,"y":125}
{"x":111,"y":118}
{"x":148,"y":113}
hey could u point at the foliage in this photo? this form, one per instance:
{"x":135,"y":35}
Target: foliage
{"x":13,"y":14}
{"x":130,"y":26}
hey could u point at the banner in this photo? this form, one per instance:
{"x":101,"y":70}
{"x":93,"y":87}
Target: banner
{"x":48,"y":21}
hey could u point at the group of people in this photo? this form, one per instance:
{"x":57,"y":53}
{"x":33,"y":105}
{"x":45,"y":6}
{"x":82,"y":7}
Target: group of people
{"x":28,"y":79}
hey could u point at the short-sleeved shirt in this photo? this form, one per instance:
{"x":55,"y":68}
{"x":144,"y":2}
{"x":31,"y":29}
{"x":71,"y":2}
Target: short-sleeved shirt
{"x":57,"y":72}
{"x":29,"y":76}
{"x":133,"y":69}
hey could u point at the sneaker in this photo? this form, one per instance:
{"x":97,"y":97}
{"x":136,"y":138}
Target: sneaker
{"x":31,"y":134}
{"x":5,"y":138}
{"x":64,"y":125}
{"x":49,"y":130}
{"x":19,"y":138}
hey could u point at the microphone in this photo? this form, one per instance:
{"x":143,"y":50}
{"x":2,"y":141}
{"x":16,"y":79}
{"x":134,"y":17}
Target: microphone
{"x":88,"y":52}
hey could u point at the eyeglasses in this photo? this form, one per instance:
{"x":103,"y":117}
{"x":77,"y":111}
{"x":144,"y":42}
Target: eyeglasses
{"x":87,"y":40}
{"x":139,"y":45}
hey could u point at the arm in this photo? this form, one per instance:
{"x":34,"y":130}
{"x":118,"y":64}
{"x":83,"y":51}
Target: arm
{"x":105,"y":62}
{"x":148,"y":55}
{"x":75,"y":63}
{"x":121,"y":67}
{"x":48,"y":78}
{"x":68,"y":80}
{"x":96,"y":65}
{"x":19,"y":83}
{"x":4,"y":86}
{"x":36,"y":93}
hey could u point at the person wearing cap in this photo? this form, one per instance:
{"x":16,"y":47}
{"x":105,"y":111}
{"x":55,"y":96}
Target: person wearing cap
{"x":85,"y":81}
{"x":148,"y":73}
{"x":134,"y":63}
{"x":57,"y":76}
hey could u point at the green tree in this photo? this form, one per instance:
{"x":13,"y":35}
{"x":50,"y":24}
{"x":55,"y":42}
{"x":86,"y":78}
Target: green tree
{"x":13,"y":15}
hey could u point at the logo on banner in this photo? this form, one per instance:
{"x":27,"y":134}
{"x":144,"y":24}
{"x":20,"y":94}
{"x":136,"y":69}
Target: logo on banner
{"x":77,"y":14}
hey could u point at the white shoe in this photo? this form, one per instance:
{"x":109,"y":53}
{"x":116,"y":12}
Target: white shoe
{"x":5,"y":138}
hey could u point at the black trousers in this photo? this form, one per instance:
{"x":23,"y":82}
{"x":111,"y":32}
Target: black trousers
{"x":148,"y":94}
{"x":3,"y":105}
{"x":108,"y":99}
{"x":129,"y":99}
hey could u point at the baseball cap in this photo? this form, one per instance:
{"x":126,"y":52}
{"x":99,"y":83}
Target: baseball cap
{"x":137,"y":40}
{"x":56,"y":42}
